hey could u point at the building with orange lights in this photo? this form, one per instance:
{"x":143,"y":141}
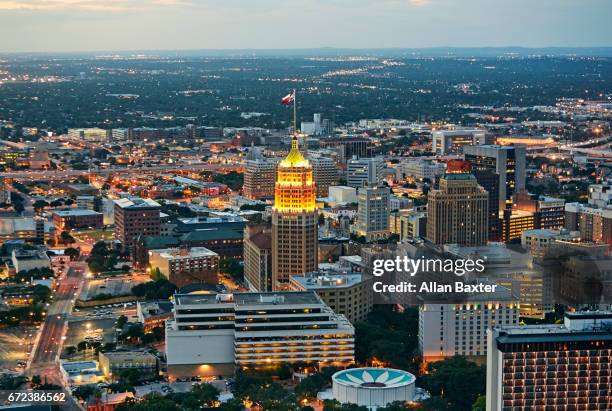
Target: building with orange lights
{"x":294,"y":219}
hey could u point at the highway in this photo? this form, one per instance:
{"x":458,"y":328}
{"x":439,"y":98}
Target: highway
{"x":67,"y":174}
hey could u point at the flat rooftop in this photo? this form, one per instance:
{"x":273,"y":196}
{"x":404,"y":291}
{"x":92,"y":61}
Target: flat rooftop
{"x":76,"y":212}
{"x":239,"y":299}
{"x":136,"y":202}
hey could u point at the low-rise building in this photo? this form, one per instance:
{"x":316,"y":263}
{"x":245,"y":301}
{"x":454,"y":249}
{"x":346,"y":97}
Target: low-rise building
{"x":153,"y":314}
{"x":112,"y":363}
{"x":183,"y":266}
{"x":76,"y":219}
{"x":81,"y":372}
{"x":26,"y":260}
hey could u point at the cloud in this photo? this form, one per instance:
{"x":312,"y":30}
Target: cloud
{"x":87,"y":5}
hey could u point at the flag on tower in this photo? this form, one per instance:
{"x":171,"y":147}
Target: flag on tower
{"x":288,"y":98}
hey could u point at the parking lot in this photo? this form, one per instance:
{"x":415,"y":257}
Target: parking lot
{"x":80,"y":329}
{"x":15,"y":346}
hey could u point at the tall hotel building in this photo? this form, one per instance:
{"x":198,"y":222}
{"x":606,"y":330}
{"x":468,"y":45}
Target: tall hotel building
{"x":213,"y":334}
{"x":551,"y":367}
{"x":458,"y":212}
{"x":294,"y":219}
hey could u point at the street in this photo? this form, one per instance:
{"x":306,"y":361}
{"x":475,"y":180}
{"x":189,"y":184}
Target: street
{"x":45,"y":360}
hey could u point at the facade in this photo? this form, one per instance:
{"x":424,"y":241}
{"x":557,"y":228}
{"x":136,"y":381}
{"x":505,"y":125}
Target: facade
{"x":349,"y":294}
{"x":594,"y":224}
{"x":489,"y":180}
{"x":373,"y":387}
{"x":364,"y":171}
{"x":557,"y":367}
{"x":5,"y":194}
{"x":342,"y":194}
{"x":76,"y":219}
{"x":88,"y":134}
{"x":506,"y":161}
{"x":421,"y":170}
{"x":259,"y":177}
{"x":134,"y":217}
{"x":258,"y":258}
{"x":373,"y":213}
{"x":294,"y":219}
{"x":549,"y":212}
{"x":514,"y":222}
{"x":452,"y":141}
{"x":408,"y":224}
{"x":213,"y":334}
{"x":457,"y":212}
{"x":325,"y":174}
{"x":600,"y":195}
{"x":184,"y":266}
{"x":113,"y":362}
{"x":26,"y":260}
{"x":446,"y":330}
{"x":86,"y":202}
{"x":539,"y":242}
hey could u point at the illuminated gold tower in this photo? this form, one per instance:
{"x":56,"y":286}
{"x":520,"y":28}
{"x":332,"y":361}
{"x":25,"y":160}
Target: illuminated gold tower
{"x":294,"y":219}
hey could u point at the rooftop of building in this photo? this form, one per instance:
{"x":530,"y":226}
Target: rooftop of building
{"x":269,"y":298}
{"x":210,"y":234}
{"x":184,"y":253}
{"x":137,"y":202}
{"x":76,"y":212}
{"x":578,"y":326}
{"x":327,"y":280}
{"x":123,"y":355}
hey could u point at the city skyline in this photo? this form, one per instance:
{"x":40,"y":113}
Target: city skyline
{"x":121,"y":25}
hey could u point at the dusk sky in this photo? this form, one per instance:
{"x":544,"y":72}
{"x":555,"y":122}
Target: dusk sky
{"x":90,"y":25}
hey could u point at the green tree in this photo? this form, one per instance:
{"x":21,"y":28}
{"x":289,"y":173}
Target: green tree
{"x":207,"y":394}
{"x":480,"y":404}
{"x":73,"y":253}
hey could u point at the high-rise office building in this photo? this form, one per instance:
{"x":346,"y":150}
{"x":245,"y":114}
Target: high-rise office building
{"x":259,"y":176}
{"x":325,"y":174}
{"x":507,"y":161}
{"x":551,"y":366}
{"x":258,"y":258}
{"x":294,"y":219}
{"x":458,"y":212}
{"x":364,"y":171}
{"x":489,"y":180}
{"x":135,"y":216}
{"x":212,"y":335}
{"x":373,"y":213}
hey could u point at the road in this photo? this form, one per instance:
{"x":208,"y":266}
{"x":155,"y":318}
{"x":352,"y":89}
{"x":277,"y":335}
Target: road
{"x":45,"y":360}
